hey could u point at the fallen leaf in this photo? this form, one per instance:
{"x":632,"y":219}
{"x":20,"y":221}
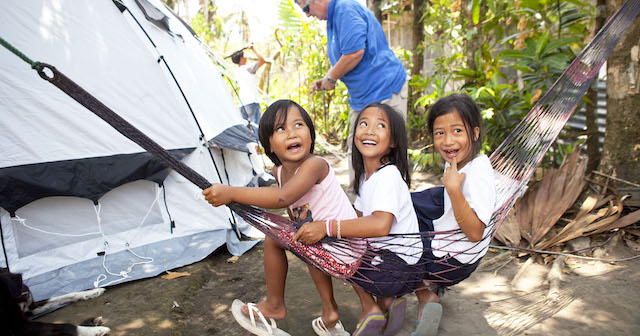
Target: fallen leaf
{"x":233,"y":259}
{"x":172,"y":275}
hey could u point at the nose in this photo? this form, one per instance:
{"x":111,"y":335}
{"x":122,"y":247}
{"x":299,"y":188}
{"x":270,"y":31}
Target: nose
{"x":448,"y":139}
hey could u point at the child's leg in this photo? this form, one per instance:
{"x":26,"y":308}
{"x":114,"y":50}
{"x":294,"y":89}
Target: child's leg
{"x":368,"y":303}
{"x":426,"y":295}
{"x":324,"y":285}
{"x":275,"y":271}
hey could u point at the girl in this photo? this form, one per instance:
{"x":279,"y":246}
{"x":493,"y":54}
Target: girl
{"x":455,"y":123}
{"x":308,"y":187}
{"x":384,"y":207}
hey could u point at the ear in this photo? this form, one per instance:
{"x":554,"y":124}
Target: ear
{"x":476,"y":133}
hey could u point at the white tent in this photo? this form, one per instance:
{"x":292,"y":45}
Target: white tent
{"x":80,"y":204}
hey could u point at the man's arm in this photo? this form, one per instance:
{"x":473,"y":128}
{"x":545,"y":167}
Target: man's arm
{"x":345,"y":63}
{"x":260,"y":58}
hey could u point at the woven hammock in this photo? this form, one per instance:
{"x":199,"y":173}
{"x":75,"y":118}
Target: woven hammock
{"x":514,"y":161}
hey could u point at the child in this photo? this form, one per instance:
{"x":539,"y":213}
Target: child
{"x":384,"y":207}
{"x":455,"y":123}
{"x":307,"y":185}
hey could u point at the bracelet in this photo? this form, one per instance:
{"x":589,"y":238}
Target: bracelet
{"x":456,"y":217}
{"x":338,"y":235}
{"x":465,"y":215}
{"x":329,"y":79}
{"x":326,"y":227}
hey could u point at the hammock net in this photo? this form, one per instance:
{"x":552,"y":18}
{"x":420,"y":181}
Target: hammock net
{"x":514,"y":162}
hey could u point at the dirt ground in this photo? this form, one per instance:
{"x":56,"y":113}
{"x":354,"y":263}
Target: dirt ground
{"x":595,"y":298}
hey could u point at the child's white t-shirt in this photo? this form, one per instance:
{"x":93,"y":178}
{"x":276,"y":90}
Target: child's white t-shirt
{"x":478,"y":189}
{"x":386,"y":191}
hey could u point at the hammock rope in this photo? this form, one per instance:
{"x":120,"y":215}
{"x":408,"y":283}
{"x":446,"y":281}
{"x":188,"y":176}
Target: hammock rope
{"x":514,"y":161}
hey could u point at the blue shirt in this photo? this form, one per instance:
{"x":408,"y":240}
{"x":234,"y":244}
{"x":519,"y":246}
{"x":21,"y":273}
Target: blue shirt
{"x":352,"y":27}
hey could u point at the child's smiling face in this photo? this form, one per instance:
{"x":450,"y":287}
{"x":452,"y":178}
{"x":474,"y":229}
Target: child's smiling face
{"x":373,"y":135}
{"x":451,"y":139}
{"x":291,"y":140}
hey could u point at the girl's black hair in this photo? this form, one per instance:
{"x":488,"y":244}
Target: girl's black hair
{"x":398,"y":154}
{"x":276,"y":116}
{"x":469,"y":113}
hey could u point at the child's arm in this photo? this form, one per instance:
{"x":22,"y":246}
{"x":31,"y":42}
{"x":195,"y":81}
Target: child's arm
{"x":378,"y":224}
{"x":467,"y":219}
{"x":312,"y":171}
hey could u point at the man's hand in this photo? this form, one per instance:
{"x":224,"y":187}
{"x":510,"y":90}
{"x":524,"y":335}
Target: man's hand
{"x":322,"y":85}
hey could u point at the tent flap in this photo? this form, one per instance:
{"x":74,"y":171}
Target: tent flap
{"x":87,"y":178}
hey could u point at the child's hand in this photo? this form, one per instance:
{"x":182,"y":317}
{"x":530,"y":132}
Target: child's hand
{"x":217,"y":195}
{"x":310,"y":233}
{"x":451,"y":178}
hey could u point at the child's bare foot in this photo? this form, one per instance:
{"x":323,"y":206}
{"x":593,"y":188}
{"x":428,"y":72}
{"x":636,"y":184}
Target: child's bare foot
{"x":425,"y":296}
{"x":268,"y":310}
{"x":373,"y":309}
{"x":330,"y":318}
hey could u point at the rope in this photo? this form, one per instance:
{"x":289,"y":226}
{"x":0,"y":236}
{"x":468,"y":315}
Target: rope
{"x":513,"y":161}
{"x":34,"y":65}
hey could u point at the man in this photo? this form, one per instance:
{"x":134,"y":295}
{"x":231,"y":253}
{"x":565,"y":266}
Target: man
{"x":245,"y":75}
{"x":360,"y":57}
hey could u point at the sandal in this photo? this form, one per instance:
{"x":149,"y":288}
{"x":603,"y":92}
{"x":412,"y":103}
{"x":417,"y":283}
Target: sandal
{"x":249,"y":321}
{"x":322,"y":330}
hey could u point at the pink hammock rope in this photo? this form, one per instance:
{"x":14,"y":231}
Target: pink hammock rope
{"x":514,"y":161}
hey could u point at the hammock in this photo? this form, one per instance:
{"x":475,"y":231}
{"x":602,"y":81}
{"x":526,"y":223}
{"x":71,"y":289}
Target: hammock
{"x":514,"y":161}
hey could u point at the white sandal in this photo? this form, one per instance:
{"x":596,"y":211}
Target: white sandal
{"x":249,"y":322}
{"x":322,"y":330}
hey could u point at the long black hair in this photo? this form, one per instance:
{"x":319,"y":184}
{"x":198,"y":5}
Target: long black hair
{"x":469,"y":113}
{"x":276,"y":116}
{"x":398,"y":153}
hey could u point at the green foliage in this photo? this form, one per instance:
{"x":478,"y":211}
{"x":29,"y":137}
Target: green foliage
{"x":504,"y":54}
{"x":304,"y":46}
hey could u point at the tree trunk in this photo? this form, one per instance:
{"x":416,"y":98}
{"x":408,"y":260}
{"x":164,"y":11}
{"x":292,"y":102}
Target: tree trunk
{"x":593,"y":140}
{"x":621,"y":151}
{"x":417,"y":59}
{"x":374,"y":6}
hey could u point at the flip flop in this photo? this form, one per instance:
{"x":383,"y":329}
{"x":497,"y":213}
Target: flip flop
{"x":429,"y":321}
{"x":371,"y":325}
{"x":322,"y":330}
{"x":395,"y":318}
{"x":249,"y":321}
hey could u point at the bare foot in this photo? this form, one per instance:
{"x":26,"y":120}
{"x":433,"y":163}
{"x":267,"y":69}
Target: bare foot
{"x":425,"y":296}
{"x":330,"y":318}
{"x":373,"y":309}
{"x":269,"y":311}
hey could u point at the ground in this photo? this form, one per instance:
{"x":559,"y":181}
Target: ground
{"x":595,"y":298}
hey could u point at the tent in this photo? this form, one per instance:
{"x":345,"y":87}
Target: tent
{"x":80,"y":204}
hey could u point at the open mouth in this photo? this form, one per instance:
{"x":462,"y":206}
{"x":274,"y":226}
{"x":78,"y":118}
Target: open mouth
{"x":369,"y":142}
{"x":294,"y":147}
{"x":451,"y":153}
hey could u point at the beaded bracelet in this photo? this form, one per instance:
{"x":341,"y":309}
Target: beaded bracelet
{"x":338,"y":235}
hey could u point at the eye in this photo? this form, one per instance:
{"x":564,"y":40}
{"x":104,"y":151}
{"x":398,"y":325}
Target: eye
{"x":363,"y":123}
{"x":438,"y":133}
{"x":299,"y":124}
{"x":279,"y":128}
{"x":458,"y":130}
{"x":381,"y":125}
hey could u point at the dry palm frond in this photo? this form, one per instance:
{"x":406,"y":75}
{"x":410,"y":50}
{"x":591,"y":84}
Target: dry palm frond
{"x":543,"y":204}
{"x":509,"y":232}
{"x":587,"y":222}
